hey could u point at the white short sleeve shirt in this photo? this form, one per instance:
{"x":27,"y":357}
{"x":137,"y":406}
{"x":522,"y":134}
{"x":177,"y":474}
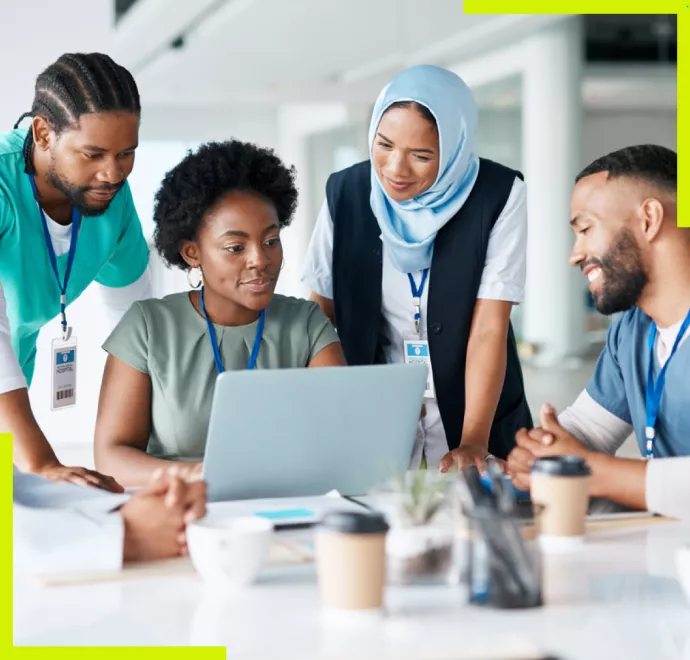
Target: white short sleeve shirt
{"x":503,"y":278}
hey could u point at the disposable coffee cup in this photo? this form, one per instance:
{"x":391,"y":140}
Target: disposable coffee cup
{"x":351,"y":561}
{"x":560,"y":487}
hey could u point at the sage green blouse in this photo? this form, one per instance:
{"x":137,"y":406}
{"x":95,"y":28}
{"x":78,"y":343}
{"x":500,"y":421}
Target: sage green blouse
{"x":168,"y":340}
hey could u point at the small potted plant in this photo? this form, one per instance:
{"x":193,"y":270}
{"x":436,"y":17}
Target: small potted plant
{"x":420,"y":542}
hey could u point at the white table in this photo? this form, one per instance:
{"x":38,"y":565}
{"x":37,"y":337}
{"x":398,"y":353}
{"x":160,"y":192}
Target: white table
{"x":617,"y":598}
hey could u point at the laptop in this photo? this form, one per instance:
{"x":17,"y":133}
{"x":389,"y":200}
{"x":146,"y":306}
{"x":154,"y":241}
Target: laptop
{"x":305,"y":432}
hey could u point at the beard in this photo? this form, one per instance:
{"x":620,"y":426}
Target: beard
{"x":623,"y":275}
{"x":77,"y":194}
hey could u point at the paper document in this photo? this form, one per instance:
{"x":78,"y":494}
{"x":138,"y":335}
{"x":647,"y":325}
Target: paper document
{"x":287,"y":510}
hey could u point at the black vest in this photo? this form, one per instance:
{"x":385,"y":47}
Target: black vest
{"x":456,"y":270}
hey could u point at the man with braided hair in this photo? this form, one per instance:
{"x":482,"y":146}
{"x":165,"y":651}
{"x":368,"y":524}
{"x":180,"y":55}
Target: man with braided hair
{"x":66,"y":219}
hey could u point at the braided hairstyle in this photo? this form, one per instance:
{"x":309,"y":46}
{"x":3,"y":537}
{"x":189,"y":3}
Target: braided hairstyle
{"x":79,"y":84}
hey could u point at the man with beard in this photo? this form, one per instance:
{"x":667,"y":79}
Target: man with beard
{"x":66,"y":219}
{"x":637,"y":261}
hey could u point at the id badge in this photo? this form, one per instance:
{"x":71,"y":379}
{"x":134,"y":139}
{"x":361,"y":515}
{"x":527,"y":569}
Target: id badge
{"x":416,"y":351}
{"x":64,"y":370}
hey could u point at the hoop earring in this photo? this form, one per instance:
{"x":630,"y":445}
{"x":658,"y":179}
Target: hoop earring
{"x":189,"y":281}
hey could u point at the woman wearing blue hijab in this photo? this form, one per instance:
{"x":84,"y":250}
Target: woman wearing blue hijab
{"x":419,"y":254}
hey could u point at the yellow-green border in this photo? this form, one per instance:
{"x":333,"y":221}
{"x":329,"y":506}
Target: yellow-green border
{"x":681,"y":8}
{"x":66,"y":652}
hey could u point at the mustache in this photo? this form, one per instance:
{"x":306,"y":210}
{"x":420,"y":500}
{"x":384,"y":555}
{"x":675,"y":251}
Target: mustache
{"x":592,"y":262}
{"x":104,"y":188}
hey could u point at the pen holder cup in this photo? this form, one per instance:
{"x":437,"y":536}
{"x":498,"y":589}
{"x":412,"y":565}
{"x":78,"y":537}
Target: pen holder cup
{"x":505,"y":562}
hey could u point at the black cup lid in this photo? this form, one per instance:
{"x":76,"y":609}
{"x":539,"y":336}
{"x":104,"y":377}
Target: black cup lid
{"x":350,"y":522}
{"x":561,"y":466}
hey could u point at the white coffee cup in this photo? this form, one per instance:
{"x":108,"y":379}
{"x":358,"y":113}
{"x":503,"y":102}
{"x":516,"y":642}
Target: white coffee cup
{"x":229,"y":552}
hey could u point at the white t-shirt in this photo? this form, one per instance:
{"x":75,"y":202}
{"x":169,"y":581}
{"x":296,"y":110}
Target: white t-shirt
{"x":503,"y":278}
{"x":117,"y":301}
{"x":665,"y":338}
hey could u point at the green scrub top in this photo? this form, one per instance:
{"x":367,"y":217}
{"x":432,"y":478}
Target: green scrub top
{"x":111,"y":250}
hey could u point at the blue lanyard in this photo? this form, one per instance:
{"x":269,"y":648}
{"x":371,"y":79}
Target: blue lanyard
{"x":417,"y":297}
{"x":214,"y":340}
{"x":654,"y":391}
{"x":66,"y":332}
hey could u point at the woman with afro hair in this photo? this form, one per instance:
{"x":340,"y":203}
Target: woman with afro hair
{"x":218,"y":215}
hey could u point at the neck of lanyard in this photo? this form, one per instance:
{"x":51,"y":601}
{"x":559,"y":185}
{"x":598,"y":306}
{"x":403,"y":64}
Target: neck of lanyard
{"x":66,"y":331}
{"x":655,"y":390}
{"x":417,"y":297}
{"x":214,"y":340}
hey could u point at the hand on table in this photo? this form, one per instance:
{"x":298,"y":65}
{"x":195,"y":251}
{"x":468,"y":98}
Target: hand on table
{"x":550,"y":439}
{"x":464,"y":456}
{"x":79,"y":476}
{"x":156,"y":517}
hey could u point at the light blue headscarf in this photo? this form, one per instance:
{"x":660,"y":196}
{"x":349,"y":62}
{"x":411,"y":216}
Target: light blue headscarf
{"x":408,"y":229}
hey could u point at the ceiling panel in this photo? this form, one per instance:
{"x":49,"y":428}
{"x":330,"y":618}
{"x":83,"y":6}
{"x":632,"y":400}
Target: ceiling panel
{"x":272,"y":50}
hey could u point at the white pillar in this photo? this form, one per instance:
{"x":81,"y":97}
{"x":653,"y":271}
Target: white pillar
{"x":296,"y":122}
{"x":554,"y":309}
